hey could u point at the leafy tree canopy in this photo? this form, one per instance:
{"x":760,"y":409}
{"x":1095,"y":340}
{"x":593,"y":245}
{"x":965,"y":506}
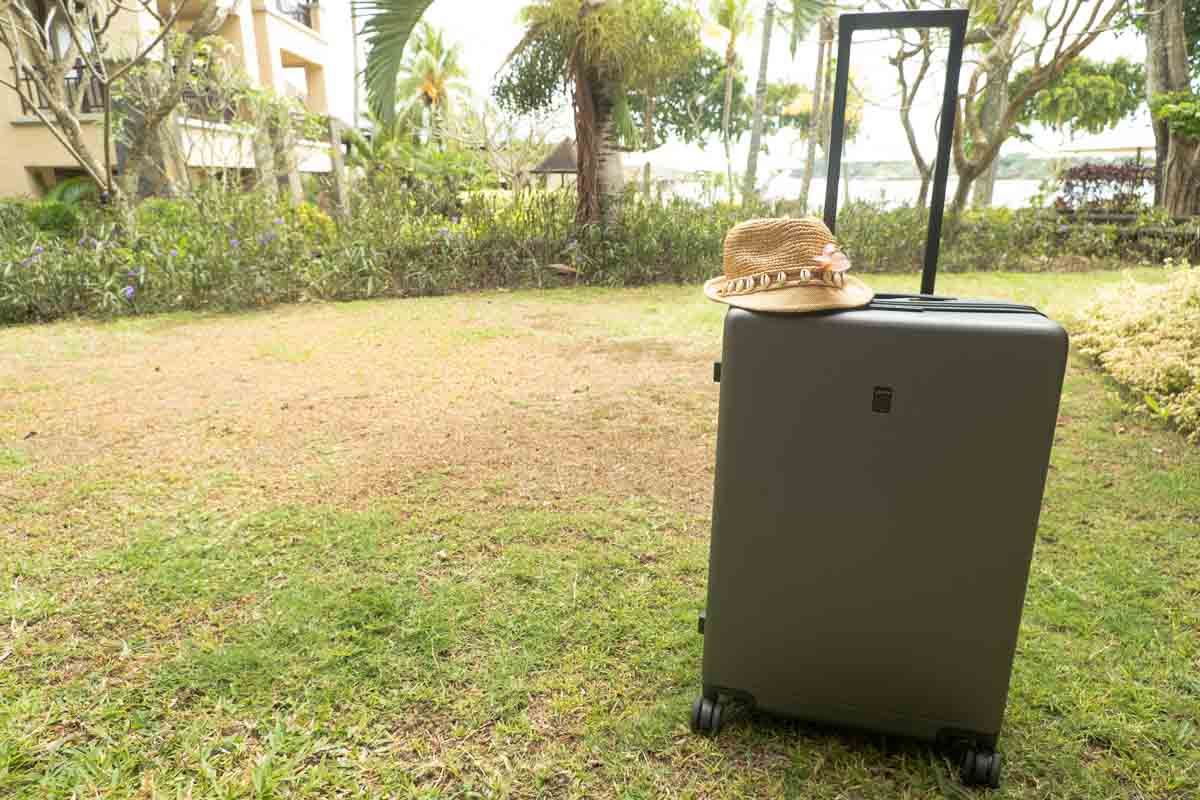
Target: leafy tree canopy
{"x":1181,"y":110}
{"x":688,"y":107}
{"x":1087,"y":96}
{"x":631,"y":45}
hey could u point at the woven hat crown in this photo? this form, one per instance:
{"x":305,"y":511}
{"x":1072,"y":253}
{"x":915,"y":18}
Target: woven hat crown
{"x":761,"y":246}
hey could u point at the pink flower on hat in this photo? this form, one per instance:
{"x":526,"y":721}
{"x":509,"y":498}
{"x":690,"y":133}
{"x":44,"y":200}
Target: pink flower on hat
{"x":833,"y":259}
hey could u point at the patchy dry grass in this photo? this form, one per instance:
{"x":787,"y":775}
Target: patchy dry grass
{"x":455,"y":547}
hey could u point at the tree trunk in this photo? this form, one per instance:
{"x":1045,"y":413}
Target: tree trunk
{"x":923,"y":167}
{"x":648,"y":143}
{"x":1161,"y":139}
{"x":727,"y":112}
{"x":985,"y":144}
{"x":907,"y":95}
{"x":827,"y":94}
{"x":1181,"y":177}
{"x":991,"y":116}
{"x":750,"y":188}
{"x":212,"y":16}
{"x":341,"y":190}
{"x":610,"y":178}
{"x":599,"y":177}
{"x":357,"y":99}
{"x":264,"y":162}
{"x":1178,"y":162}
{"x":923,"y":192}
{"x":173,"y":136}
{"x":1156,"y":81}
{"x":291,"y":169}
{"x":814,"y":117}
{"x":599,"y":162}
{"x":962,"y":193}
{"x":73,"y":132}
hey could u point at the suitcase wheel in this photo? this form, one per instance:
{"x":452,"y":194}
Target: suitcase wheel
{"x":706,"y":717}
{"x":981,"y":769}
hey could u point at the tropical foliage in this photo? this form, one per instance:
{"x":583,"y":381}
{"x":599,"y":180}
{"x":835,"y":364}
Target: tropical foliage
{"x":425,"y":223}
{"x":690,"y":106}
{"x":600,"y":48}
{"x":1088,"y":97}
{"x":1181,"y":112}
{"x":431,"y":79}
{"x":388,"y":26}
{"x":734,"y":19}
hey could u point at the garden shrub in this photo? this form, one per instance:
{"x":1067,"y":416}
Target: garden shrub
{"x":313,"y":224}
{"x":54,"y":216}
{"x":14,"y":217}
{"x":1148,"y":338}
{"x":164,"y":212}
{"x":222,"y":249}
{"x":1101,"y":186}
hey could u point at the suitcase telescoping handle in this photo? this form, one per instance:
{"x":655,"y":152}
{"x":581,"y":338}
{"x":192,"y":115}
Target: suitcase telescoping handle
{"x":956,"y":21}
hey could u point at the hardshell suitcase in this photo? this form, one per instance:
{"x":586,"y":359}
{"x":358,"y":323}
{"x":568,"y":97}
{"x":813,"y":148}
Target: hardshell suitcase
{"x":879,"y":476}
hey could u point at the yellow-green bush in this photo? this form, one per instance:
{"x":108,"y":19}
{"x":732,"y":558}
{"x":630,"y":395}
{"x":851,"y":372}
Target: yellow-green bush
{"x":313,"y":223}
{"x":1148,"y":338}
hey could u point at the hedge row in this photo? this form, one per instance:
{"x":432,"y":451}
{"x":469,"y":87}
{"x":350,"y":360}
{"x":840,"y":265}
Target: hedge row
{"x":223,"y":250}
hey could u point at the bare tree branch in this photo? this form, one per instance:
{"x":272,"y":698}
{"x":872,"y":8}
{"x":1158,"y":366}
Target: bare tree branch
{"x":209,"y":11}
{"x":37,"y":112}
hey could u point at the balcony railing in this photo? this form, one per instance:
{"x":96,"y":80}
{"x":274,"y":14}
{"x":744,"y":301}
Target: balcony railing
{"x":299,"y":10}
{"x":76,"y":81}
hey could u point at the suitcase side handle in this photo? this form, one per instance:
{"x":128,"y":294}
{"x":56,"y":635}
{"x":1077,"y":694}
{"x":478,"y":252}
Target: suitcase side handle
{"x":956,"y":21}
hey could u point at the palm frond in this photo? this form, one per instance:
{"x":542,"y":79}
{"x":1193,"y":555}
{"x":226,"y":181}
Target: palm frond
{"x":388,"y":26}
{"x":800,"y":17}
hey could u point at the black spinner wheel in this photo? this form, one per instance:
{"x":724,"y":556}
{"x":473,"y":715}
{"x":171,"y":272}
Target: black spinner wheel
{"x":706,"y":716}
{"x":981,"y":768}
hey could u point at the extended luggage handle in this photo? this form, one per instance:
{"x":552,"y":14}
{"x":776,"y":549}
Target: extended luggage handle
{"x":956,"y":21}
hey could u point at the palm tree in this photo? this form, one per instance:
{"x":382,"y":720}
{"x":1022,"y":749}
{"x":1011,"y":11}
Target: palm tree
{"x":600,"y":46}
{"x":603,"y":45}
{"x":430,"y":76}
{"x":388,"y":26}
{"x":760,"y":101}
{"x":799,"y":18}
{"x":821,"y":102}
{"x":736,"y":20}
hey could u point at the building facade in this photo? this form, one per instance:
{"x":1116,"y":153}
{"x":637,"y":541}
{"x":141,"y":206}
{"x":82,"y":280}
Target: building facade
{"x":295,"y":48}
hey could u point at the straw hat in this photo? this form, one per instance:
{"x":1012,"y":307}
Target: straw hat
{"x":786,"y":265}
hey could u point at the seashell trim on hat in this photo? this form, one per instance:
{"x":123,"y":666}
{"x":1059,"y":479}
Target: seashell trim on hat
{"x":799,"y":257}
{"x":820,"y":275}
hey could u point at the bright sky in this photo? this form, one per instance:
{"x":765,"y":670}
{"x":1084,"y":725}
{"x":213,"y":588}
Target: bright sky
{"x":489,"y":30}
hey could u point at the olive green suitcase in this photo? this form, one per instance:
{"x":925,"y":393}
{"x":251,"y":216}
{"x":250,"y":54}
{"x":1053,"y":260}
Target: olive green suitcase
{"x":879,"y":477}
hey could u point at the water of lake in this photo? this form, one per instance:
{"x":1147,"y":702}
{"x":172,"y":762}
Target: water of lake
{"x":1008,"y":193}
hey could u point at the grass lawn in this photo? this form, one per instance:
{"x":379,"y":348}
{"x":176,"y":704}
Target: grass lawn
{"x":456,"y":547}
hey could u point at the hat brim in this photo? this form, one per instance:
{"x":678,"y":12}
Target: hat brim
{"x":795,"y":299}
